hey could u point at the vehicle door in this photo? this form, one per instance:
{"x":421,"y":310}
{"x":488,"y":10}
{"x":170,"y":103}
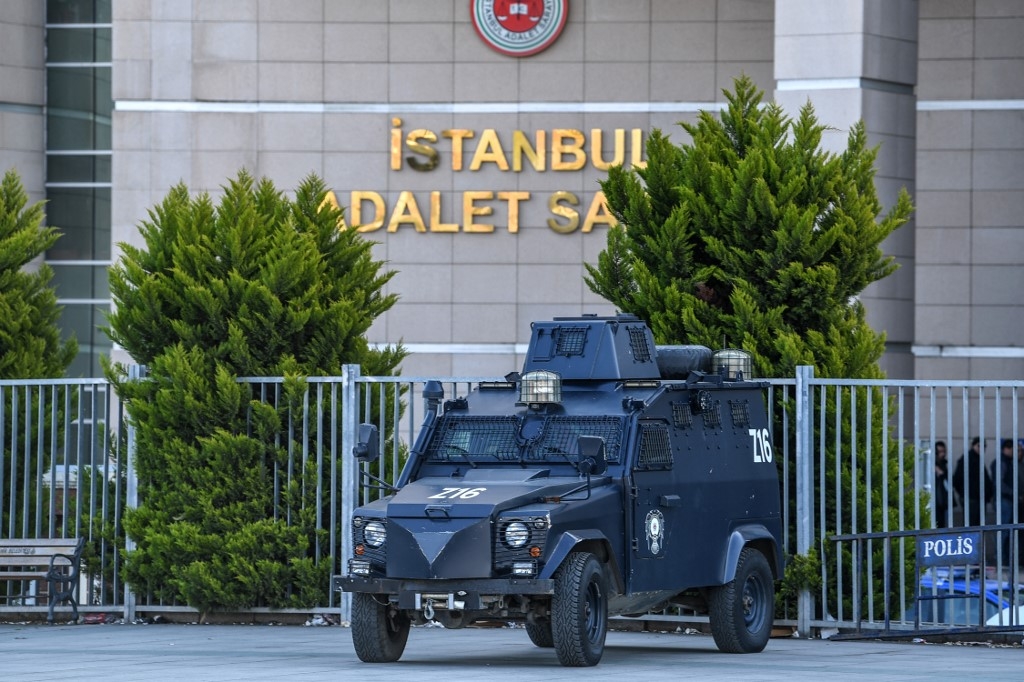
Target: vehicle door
{"x":658,"y":536}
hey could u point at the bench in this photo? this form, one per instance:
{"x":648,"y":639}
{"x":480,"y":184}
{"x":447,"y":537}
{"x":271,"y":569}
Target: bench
{"x":55,"y":560}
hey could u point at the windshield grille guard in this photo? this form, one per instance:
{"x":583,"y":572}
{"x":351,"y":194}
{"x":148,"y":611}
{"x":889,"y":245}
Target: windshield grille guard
{"x":489,"y":438}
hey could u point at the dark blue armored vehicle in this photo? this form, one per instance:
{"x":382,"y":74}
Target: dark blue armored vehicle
{"x":611,"y":477}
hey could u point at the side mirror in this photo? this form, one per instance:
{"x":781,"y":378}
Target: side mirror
{"x":367,"y":448}
{"x":591,"y":455}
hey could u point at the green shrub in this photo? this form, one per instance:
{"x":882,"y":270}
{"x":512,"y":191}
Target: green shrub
{"x":256,"y":285}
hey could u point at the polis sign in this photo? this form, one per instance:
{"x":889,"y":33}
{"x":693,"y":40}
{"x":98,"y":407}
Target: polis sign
{"x":949,"y":549}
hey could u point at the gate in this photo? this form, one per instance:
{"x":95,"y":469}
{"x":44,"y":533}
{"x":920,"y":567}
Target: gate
{"x":959,"y":592}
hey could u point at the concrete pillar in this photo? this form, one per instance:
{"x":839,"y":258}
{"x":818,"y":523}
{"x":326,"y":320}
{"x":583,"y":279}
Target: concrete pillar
{"x":857,"y":60}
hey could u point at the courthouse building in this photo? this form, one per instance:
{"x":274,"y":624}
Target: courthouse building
{"x":467,"y":138}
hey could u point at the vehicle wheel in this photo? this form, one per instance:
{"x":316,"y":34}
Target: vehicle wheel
{"x":579,"y":610}
{"x":540,"y":633}
{"x":742,"y":611}
{"x":379,"y":631}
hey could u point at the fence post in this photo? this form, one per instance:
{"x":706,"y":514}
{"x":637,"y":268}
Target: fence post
{"x":135,"y":373}
{"x":349,"y":475}
{"x":804,"y":487}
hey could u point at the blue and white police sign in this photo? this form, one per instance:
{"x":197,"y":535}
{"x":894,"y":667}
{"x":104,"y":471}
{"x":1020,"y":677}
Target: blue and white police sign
{"x":949,"y":549}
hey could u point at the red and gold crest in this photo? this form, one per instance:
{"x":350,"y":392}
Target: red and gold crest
{"x":519,"y":29}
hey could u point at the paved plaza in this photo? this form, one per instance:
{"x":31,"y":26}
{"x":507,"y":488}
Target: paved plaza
{"x":195,"y":653}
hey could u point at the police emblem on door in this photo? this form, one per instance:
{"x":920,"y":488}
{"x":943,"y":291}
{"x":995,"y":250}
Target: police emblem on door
{"x":655,"y":526}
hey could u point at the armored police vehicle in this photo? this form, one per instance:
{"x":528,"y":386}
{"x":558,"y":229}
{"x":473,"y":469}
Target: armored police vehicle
{"x":611,"y":477}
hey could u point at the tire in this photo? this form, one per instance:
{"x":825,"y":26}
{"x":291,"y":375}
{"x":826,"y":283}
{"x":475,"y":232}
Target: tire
{"x":379,"y":631}
{"x":579,"y":610}
{"x":676,"y":362}
{"x":540,"y":633}
{"x":743,"y":610}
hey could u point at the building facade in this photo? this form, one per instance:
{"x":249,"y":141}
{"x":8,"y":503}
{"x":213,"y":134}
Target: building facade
{"x":476,"y":171}
{"x":55,"y":131}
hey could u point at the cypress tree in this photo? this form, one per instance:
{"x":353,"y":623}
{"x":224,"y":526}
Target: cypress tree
{"x":30,"y":345}
{"x":254,"y":285}
{"x":750,"y":235}
{"x":30,"y":348}
{"x":753,"y":235}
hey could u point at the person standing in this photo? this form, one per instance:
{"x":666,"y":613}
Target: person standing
{"x":973,"y":485}
{"x":1004,"y":473}
{"x":941,"y":490}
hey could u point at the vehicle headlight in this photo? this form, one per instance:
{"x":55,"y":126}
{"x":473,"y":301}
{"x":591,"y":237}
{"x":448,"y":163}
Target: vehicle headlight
{"x":516,"y":535}
{"x":374,"y":533}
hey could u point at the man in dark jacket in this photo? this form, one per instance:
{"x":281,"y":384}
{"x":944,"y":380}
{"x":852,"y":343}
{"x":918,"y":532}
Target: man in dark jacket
{"x":973,"y":484}
{"x":1004,"y":473}
{"x":941,"y":492}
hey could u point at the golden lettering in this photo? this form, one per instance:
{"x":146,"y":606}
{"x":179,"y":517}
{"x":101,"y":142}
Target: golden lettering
{"x":566,"y":217}
{"x":457,"y":135}
{"x":569,"y":149}
{"x":412,"y":142}
{"x":536,"y":153}
{"x":471,"y":210}
{"x":638,"y":148}
{"x":556,"y":204}
{"x":596,"y":151}
{"x":565,"y":141}
{"x":598,"y":213}
{"x":331,"y":201}
{"x":513,"y":199}
{"x":489,"y":150}
{"x":380,"y":211}
{"x":556,"y":149}
{"x":435,"y":216}
{"x":396,"y":144}
{"x":406,"y":211}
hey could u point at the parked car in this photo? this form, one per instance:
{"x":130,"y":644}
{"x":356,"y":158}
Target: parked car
{"x":952,"y":599}
{"x":1011,"y":615}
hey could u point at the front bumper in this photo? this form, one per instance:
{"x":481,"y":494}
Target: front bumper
{"x":469,"y":591}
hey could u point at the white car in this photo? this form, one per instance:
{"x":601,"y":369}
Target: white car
{"x":1009,"y":616}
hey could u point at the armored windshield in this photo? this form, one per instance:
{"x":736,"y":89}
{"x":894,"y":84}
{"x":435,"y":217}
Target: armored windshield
{"x":551,"y":439}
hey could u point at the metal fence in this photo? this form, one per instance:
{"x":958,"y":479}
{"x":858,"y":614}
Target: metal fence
{"x":855,"y":459}
{"x":864,"y":482}
{"x":62,"y":475}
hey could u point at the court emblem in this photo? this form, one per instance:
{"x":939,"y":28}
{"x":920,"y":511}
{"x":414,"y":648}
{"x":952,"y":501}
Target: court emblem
{"x":519,"y":29}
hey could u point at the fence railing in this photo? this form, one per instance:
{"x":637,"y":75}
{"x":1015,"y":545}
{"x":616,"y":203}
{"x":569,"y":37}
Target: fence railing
{"x":855,"y":456}
{"x":958,"y":589}
{"x":62,"y":475}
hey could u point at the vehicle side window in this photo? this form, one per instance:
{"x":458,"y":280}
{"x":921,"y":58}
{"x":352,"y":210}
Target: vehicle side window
{"x":655,"y":448}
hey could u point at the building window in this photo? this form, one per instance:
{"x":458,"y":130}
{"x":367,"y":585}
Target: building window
{"x":78,"y":179}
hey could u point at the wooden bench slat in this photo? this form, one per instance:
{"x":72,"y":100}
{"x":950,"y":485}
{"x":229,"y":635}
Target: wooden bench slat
{"x":22,"y":575}
{"x":41,"y":560}
{"x":36,"y":546}
{"x":29,"y":556}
